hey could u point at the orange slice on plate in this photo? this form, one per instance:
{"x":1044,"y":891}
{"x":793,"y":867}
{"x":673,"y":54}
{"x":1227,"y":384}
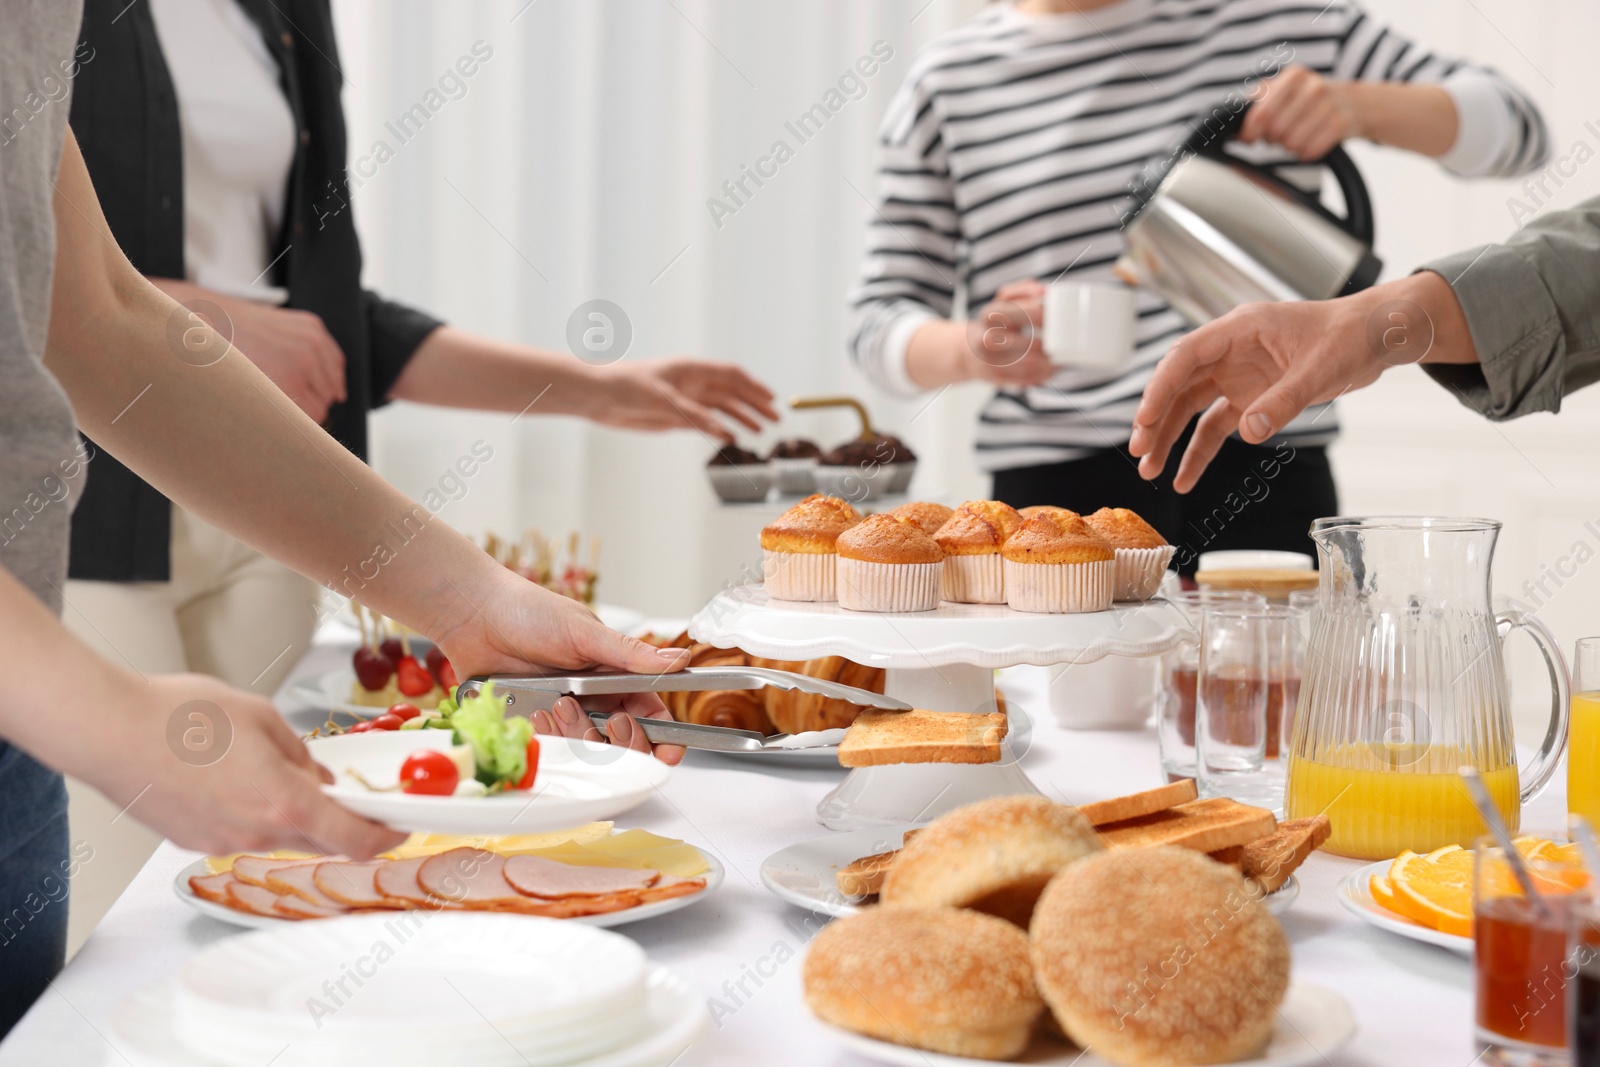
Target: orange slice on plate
{"x":1437,"y":895}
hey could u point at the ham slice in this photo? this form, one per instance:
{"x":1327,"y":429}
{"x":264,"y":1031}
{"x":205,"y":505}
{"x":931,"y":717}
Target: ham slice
{"x":471,"y":878}
{"x":296,"y":881}
{"x":253,"y":899}
{"x":293,"y":907}
{"x":213,"y":887}
{"x":396,"y":880}
{"x":253,"y":870}
{"x":354,"y":885}
{"x":672,"y":887}
{"x":536,"y":876}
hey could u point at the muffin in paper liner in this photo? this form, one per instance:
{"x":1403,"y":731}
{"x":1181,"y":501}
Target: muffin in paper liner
{"x":1059,"y":588}
{"x":794,"y":477}
{"x":867,"y":586}
{"x":900,"y":473}
{"x":742,"y":484}
{"x":978,"y":579}
{"x":798,"y":575}
{"x":1139,"y":571}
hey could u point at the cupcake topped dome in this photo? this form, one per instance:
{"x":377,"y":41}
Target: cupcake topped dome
{"x":813,"y":525}
{"x":1124,"y":529}
{"x":978,"y":527}
{"x":927,"y":515}
{"x":1051,"y":539}
{"x":888,"y":539}
{"x":733,"y":456}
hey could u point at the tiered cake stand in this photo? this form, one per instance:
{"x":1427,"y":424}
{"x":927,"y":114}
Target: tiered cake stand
{"x":942,"y":660}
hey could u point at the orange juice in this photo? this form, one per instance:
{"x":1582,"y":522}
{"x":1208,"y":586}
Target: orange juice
{"x":1383,"y":799}
{"x":1583,"y":757}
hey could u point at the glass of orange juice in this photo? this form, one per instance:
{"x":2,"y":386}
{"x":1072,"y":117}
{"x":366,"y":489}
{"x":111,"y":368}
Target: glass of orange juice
{"x":1583,"y":737}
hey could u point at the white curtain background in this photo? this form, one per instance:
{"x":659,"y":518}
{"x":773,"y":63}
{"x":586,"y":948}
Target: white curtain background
{"x":578,"y":164}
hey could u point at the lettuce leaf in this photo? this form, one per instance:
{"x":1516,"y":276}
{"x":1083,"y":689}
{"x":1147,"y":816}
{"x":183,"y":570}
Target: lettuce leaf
{"x":499,"y":742}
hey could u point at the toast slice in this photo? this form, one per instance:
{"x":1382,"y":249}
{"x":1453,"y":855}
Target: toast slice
{"x":882,"y":737}
{"x":1233,"y":857}
{"x":1203,"y":825}
{"x":1117,"y":809}
{"x":1272,"y":859}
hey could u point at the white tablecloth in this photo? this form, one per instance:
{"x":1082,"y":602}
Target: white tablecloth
{"x":742,"y":946}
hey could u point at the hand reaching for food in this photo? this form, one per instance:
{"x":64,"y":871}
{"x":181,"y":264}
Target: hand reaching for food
{"x":681,"y":393}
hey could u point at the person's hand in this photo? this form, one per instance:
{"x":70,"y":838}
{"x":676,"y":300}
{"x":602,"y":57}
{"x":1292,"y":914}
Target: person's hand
{"x":1004,"y":341}
{"x":680,"y":393}
{"x":292,"y":347}
{"x":1302,"y":111}
{"x":516,"y":626}
{"x":568,"y":719}
{"x":218,"y":770}
{"x":1260,"y":365}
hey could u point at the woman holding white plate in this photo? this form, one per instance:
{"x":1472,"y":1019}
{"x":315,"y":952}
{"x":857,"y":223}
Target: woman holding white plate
{"x":1007,"y":160}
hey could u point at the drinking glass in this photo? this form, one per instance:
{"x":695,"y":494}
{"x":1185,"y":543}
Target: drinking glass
{"x":1583,"y":732}
{"x":1583,"y":984}
{"x":1251,"y":660}
{"x":1521,"y":964}
{"x":1175,"y":683}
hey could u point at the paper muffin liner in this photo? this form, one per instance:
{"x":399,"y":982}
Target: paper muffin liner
{"x":973,"y":579}
{"x":900,"y":475}
{"x":798,"y":575}
{"x":1140,"y":570}
{"x":888,"y":586}
{"x":742,"y":484}
{"x":795,"y":477}
{"x":1059,"y":588}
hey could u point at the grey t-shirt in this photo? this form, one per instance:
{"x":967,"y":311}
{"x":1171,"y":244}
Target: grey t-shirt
{"x":41,"y":466}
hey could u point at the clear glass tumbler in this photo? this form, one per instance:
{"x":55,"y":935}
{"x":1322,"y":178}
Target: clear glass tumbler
{"x":1251,"y":660}
{"x":1175,"y":681}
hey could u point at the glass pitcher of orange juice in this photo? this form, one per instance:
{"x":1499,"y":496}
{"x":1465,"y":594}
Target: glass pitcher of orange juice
{"x":1404,"y":682}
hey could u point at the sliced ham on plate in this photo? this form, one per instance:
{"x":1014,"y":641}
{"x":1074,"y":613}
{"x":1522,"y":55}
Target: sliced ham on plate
{"x":536,"y":876}
{"x":213,"y":887}
{"x":296,"y":881}
{"x":253,"y":870}
{"x":397,"y":881}
{"x":254,"y":899}
{"x":668,"y":888}
{"x":352,"y":884}
{"x":294,"y":907}
{"x":475,"y":879}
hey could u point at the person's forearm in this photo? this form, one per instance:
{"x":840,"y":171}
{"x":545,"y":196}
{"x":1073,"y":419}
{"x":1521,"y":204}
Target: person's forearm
{"x":1445,"y":321}
{"x":169,"y":398}
{"x":1420,"y":118}
{"x":936,"y":355}
{"x":458,"y":369}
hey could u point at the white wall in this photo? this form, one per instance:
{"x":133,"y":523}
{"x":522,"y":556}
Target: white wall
{"x":591,"y":140}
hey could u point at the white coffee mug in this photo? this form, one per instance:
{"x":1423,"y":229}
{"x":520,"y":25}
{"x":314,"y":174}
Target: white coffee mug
{"x":1089,"y":324}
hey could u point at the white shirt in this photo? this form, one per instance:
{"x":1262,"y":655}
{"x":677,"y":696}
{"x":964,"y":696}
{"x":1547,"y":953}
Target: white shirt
{"x":238,"y":144}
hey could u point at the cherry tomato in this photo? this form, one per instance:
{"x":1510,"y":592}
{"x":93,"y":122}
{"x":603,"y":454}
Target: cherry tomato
{"x":403,"y":711}
{"x":361,"y":727}
{"x":429,"y":772}
{"x":533,"y":765}
{"x":385,"y":722}
{"x":413,"y":678}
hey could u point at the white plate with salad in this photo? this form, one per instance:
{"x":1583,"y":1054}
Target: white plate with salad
{"x":473,"y":769}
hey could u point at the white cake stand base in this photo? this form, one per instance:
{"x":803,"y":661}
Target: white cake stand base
{"x":916,"y":792}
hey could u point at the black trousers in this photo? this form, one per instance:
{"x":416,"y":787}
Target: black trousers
{"x":1252,"y":496}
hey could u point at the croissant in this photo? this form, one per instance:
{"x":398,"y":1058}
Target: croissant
{"x":739,"y":709}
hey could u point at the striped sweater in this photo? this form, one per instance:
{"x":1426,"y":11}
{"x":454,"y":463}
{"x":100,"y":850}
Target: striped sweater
{"x":1010,"y":151}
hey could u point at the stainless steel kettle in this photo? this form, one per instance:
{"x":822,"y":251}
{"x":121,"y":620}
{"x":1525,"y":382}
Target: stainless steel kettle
{"x":1210,"y":231}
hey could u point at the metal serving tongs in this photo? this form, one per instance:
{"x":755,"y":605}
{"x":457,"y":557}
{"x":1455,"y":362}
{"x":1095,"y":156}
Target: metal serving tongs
{"x":539,"y":692}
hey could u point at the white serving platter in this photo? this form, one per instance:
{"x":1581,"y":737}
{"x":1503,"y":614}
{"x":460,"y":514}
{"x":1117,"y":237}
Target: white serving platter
{"x":578,"y":782}
{"x":714,"y":876}
{"x":1355,"y":893}
{"x":1313,"y":1023}
{"x":803,"y":874}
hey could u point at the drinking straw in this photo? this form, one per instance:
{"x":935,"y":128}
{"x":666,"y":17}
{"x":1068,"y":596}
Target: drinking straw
{"x":1491,"y":816}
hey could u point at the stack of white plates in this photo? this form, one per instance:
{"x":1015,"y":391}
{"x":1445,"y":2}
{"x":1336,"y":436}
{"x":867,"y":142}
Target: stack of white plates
{"x":426,"y":988}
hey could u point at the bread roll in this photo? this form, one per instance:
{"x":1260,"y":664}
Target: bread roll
{"x":995,"y":856}
{"x":1160,"y":957}
{"x":939,"y":979}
